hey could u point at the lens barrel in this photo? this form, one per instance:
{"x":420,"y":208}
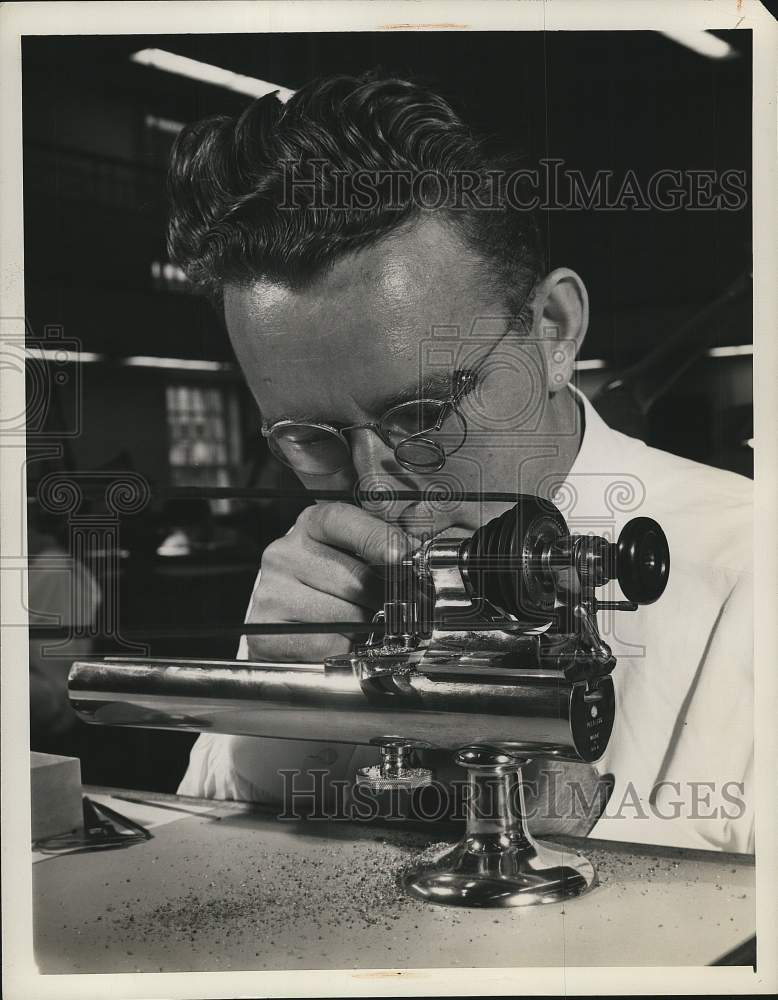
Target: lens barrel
{"x":512,"y":560}
{"x":505,"y":560}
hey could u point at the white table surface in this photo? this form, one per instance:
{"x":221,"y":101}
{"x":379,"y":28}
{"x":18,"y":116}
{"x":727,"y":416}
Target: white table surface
{"x":227,"y":887}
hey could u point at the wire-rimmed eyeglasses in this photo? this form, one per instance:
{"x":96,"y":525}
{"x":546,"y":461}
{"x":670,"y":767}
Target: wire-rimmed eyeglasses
{"x":414,"y":431}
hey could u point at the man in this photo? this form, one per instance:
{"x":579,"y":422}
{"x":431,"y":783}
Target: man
{"x":366,"y":250}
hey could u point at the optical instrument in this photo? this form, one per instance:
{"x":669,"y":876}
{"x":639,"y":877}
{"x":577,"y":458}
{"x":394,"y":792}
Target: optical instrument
{"x":487,"y":647}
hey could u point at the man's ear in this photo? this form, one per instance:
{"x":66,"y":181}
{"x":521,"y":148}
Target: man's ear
{"x":560,"y":322}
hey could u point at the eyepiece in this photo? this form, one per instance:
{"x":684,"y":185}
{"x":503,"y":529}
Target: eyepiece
{"x":641,"y":559}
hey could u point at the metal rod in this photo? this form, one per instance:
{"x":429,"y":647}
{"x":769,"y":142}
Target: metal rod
{"x":250,"y":628}
{"x":375,"y":494}
{"x":304,"y":701}
{"x":214,"y":631}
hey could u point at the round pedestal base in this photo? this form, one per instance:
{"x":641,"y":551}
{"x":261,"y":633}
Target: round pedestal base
{"x":517,"y":874}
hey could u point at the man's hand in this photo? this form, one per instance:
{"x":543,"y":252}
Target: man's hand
{"x":323,"y":570}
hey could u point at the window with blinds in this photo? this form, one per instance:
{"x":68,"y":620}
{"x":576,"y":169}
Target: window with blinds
{"x":204,"y":437}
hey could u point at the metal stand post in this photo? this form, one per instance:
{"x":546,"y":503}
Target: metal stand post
{"x":498,"y":863}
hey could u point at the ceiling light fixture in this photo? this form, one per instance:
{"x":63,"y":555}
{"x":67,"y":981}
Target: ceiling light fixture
{"x":170,"y":62}
{"x":702,"y":42}
{"x":176,"y":364}
{"x":733,"y":351}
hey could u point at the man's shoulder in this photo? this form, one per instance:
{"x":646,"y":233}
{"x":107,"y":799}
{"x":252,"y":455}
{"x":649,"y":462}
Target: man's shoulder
{"x":707,"y":513}
{"x":695,"y":481}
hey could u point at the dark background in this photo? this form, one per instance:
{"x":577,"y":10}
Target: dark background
{"x":94,"y":171}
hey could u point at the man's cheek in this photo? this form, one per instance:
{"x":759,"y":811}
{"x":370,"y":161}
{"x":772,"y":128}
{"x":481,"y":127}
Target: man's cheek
{"x":344,"y":481}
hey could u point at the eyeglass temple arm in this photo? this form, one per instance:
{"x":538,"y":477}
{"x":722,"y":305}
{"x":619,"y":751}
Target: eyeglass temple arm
{"x":464,"y":380}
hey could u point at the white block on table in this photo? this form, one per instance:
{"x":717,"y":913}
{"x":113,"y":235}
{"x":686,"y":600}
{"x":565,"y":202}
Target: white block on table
{"x":55,"y":786}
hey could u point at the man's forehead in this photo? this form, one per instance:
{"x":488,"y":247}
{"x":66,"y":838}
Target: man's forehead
{"x":385,"y":324}
{"x":419,"y":276}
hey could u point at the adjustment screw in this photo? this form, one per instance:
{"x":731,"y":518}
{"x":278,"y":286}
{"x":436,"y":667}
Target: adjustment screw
{"x":397,"y":768}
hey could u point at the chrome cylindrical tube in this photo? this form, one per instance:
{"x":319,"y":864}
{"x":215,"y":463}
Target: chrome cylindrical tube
{"x":304,"y":701}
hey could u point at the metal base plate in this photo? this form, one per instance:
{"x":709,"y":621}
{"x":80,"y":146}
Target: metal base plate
{"x":523,"y":873}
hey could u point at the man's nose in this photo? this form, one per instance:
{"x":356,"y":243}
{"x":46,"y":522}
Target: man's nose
{"x":379,"y":475}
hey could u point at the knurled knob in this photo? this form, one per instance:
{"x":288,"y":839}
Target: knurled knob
{"x":398,"y":768}
{"x":376,"y":780}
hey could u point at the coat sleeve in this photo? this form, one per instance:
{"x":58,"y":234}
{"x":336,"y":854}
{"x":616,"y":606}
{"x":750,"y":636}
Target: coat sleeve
{"x":253,"y":769}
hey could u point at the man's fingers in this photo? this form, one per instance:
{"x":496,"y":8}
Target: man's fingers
{"x":300,"y":603}
{"x":321,"y":571}
{"x":292,"y":648}
{"x":342,"y":575}
{"x":369,"y":538}
{"x":323,"y":568}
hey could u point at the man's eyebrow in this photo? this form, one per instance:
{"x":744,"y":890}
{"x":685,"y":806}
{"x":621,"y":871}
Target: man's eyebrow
{"x":436,"y":386}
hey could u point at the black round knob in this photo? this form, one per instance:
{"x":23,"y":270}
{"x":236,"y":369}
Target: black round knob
{"x":642,"y":558}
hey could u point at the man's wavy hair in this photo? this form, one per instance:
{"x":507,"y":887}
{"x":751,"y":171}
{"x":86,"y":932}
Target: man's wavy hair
{"x":230,"y":181}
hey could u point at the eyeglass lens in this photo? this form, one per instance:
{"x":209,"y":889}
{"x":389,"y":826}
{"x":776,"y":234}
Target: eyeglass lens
{"x":421,"y":433}
{"x":312,"y":451}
